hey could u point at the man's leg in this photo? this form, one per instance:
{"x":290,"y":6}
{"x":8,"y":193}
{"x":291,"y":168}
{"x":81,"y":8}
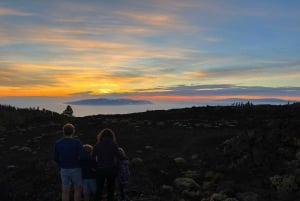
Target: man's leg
{"x":76,"y":178}
{"x":66,"y":184}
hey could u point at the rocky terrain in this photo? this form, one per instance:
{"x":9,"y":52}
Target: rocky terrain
{"x":229,"y":153}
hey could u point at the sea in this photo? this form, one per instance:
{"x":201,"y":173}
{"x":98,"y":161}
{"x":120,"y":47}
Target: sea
{"x":59,"y":104}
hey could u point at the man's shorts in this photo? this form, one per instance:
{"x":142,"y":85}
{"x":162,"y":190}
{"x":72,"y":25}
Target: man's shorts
{"x":89,"y":186}
{"x":71,"y":176}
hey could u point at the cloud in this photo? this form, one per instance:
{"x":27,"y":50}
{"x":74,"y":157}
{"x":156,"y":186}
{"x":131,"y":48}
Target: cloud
{"x":65,"y":77}
{"x":216,"y":92}
{"x":29,"y":79}
{"x":20,"y":75}
{"x":72,"y":41}
{"x":213,"y":39}
{"x":134,"y":17}
{"x":154,"y":20}
{"x":244,"y":71}
{"x":26,"y":79}
{"x":196,"y":93}
{"x":107,"y":48}
{"x":13,"y":12}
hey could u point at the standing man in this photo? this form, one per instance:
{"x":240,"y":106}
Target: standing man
{"x":67,"y":152}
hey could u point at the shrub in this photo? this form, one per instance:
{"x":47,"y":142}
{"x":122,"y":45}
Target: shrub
{"x":183,"y":183}
{"x":285,"y":183}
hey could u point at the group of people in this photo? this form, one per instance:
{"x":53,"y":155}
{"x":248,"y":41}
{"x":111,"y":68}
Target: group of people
{"x":89,"y":168}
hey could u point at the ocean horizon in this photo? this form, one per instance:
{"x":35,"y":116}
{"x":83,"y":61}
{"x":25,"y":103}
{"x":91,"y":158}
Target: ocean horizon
{"x":87,"y":110}
{"x":58,"y":105}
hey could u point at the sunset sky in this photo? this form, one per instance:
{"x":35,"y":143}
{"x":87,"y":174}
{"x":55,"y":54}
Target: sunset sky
{"x":150,"y":49}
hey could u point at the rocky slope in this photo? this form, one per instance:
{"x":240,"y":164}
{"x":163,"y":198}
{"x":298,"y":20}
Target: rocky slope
{"x":244,"y":152}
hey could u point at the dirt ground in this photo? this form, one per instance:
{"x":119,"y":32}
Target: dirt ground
{"x":228,"y":152}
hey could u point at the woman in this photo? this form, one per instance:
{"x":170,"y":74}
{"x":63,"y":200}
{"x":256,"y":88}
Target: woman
{"x":106,"y":154}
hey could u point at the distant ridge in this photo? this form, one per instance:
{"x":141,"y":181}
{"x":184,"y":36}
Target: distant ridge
{"x":104,"y":101}
{"x":273,"y":101}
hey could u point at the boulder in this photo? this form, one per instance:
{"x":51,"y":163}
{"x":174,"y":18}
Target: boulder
{"x":183,"y":183}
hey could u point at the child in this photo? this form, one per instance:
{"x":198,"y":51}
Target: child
{"x":123,"y":175}
{"x":88,"y":166}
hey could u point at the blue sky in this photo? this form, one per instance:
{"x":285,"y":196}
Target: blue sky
{"x":158,"y":50}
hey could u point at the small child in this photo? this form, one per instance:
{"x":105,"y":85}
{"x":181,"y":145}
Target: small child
{"x":88,"y":165}
{"x":123,"y":175}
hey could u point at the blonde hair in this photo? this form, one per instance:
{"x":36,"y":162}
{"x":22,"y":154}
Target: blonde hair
{"x":106,"y":132}
{"x":121,"y":150}
{"x":88,"y":148}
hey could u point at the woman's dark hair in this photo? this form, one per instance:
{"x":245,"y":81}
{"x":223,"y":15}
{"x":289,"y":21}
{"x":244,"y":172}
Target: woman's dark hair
{"x":106,"y":133}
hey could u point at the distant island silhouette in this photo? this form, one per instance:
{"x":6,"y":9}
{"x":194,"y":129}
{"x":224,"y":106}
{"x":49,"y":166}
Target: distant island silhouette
{"x":105,"y":101}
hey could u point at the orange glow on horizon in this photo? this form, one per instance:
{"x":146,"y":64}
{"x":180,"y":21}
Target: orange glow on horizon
{"x":109,"y":87}
{"x":17,"y":91}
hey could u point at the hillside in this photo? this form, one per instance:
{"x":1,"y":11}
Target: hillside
{"x":229,"y":153}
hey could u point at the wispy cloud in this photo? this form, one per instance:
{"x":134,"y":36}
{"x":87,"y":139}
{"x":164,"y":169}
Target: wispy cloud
{"x":4,"y":11}
{"x":217,"y":92}
{"x":103,"y":80}
{"x":73,"y":39}
{"x":29,"y":79}
{"x":155,"y":21}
